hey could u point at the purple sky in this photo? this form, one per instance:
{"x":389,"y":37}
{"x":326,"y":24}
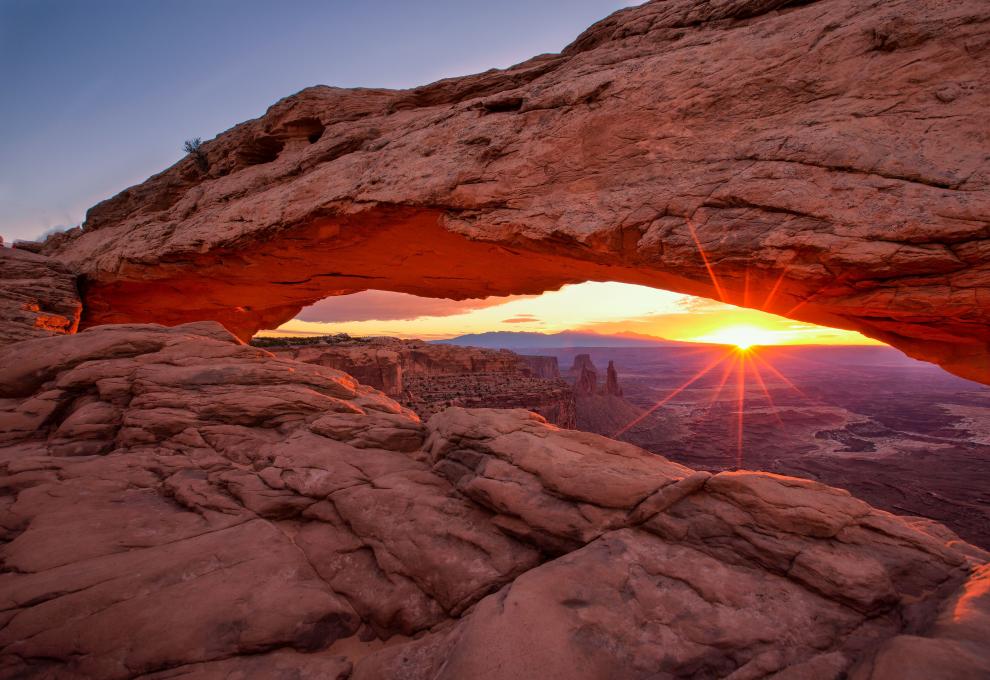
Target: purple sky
{"x":100,"y":94}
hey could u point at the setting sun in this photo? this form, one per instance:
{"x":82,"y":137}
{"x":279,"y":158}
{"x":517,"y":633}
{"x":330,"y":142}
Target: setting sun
{"x":742,"y":336}
{"x":598,"y":307}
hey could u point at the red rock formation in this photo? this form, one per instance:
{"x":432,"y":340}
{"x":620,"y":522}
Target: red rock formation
{"x":175,"y":502}
{"x":552,"y":399}
{"x":38,"y":296}
{"x":541,"y":366}
{"x":379,"y":366}
{"x":587,"y":382}
{"x":602,"y":411}
{"x":220,"y":463}
{"x":612,"y":381}
{"x":585,"y":375}
{"x":821,"y":160}
{"x":581,"y":363}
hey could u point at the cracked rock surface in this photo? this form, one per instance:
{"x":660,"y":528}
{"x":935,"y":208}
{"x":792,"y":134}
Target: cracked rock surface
{"x":824,"y":160}
{"x":178,"y":504}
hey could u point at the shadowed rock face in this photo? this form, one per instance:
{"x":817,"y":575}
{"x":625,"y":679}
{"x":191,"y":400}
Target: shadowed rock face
{"x":38,"y":297}
{"x":175,"y":503}
{"x":821,"y":160}
{"x":587,"y":382}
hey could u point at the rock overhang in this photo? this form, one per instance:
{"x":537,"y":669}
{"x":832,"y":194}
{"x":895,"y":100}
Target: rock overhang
{"x":825,"y":161}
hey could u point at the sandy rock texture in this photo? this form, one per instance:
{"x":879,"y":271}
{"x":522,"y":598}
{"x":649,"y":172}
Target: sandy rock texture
{"x":177,"y":504}
{"x":38,"y":296}
{"x":174,"y":497}
{"x":825,"y":160}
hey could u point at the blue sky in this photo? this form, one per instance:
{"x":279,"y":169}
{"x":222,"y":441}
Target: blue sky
{"x":100,"y":94}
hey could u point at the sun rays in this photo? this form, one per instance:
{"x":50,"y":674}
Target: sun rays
{"x":741,"y":373}
{"x":742,"y":336}
{"x":741,"y":360}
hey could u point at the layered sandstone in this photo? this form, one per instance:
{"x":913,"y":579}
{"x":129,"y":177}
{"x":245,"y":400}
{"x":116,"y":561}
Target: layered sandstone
{"x":430,"y":378}
{"x":38,"y":296}
{"x":377,"y":364}
{"x":157,"y":478}
{"x":178,"y":504}
{"x":824,"y":160}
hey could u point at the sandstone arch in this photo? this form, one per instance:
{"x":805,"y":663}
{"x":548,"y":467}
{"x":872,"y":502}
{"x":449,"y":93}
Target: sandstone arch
{"x":826,"y":160}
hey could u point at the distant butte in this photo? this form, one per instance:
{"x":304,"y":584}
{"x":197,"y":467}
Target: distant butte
{"x":826,"y":161}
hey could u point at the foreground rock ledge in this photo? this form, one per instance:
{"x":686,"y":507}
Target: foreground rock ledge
{"x":177,"y":504}
{"x":826,"y":161}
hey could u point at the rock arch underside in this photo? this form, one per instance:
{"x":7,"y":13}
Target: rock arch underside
{"x":833,"y":153}
{"x":176,"y":503}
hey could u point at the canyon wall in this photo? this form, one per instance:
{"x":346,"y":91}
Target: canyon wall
{"x":430,"y":378}
{"x":821,"y":160}
{"x":541,"y":366}
{"x":377,"y":366}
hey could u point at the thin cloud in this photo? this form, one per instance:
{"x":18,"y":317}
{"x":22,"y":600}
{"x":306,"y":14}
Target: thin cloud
{"x":523,"y":318}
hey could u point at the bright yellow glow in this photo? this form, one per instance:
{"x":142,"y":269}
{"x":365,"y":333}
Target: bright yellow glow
{"x":742,"y":336}
{"x":607,"y":308}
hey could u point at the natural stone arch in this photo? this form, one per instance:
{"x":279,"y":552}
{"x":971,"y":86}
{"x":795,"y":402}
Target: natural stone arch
{"x":825,"y":161}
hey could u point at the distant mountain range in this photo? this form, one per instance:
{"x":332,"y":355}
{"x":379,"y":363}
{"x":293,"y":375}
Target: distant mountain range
{"x":523,"y":340}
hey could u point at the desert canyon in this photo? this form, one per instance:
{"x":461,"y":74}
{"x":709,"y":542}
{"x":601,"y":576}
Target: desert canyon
{"x":177,"y":503}
{"x":431,"y":378}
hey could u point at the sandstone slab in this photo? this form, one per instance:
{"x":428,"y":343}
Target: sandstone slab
{"x":182,"y":499}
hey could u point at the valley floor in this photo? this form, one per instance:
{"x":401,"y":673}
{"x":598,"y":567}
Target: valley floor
{"x":903,"y":435}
